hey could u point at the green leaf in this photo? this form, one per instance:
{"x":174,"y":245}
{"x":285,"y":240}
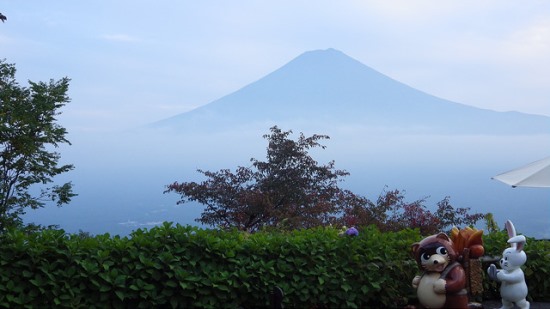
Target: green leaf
{"x":120,"y":280}
{"x":171,"y":283}
{"x":121,"y":295}
{"x":174,"y":302}
{"x":104,"y":288}
{"x":35,"y":282}
{"x":346,"y":287}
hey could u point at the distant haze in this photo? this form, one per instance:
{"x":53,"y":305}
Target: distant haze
{"x":383,"y":132}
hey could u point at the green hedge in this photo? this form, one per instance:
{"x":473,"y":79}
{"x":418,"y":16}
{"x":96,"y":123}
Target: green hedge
{"x":186,"y":267}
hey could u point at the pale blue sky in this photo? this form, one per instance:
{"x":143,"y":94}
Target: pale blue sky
{"x":135,"y":62}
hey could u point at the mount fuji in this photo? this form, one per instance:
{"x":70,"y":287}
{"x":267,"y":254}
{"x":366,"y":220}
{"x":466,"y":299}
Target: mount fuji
{"x":325,"y":88}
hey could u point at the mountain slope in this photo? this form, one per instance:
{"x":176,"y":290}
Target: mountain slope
{"x":327,"y":87}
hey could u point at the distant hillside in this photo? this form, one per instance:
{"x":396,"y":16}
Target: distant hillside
{"x":327,"y":87}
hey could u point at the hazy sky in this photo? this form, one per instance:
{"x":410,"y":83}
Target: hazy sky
{"x":135,"y":62}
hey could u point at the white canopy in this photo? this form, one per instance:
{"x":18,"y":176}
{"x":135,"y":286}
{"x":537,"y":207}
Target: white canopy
{"x":536,"y":174}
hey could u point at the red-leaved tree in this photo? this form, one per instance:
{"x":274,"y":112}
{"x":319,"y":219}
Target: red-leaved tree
{"x":289,"y":190}
{"x":392,"y":212}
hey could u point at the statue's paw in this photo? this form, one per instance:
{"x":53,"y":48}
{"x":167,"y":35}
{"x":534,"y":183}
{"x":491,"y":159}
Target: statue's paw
{"x":439,"y":286}
{"x":416,"y":281}
{"x":492,"y":271}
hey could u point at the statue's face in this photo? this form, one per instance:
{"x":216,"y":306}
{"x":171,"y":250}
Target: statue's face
{"x":434,"y":257}
{"x":512,"y":259}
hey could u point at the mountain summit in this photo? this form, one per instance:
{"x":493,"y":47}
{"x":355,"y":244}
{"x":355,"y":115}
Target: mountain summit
{"x":327,"y":87}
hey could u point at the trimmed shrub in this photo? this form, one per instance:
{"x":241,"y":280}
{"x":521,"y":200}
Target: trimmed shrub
{"x":187,"y":267}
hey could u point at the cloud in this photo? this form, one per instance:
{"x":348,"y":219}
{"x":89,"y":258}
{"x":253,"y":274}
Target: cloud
{"x":531,"y":41}
{"x":119,"y":37}
{"x":5,"y":39}
{"x":407,"y":10}
{"x":131,"y":223}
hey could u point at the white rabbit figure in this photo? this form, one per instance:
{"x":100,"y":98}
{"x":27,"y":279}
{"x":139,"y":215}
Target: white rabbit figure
{"x":513,"y":289}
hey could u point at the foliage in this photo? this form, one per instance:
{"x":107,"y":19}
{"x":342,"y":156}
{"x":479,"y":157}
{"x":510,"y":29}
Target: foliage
{"x":490,"y":224}
{"x":187,"y":267}
{"x":289,"y":190}
{"x":28,"y":131}
{"x":392,"y":213}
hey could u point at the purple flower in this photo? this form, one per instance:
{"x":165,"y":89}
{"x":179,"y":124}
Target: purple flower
{"x":352,"y":231}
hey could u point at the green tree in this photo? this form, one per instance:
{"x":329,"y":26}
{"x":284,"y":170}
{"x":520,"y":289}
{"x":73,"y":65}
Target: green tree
{"x":490,"y":224}
{"x":29,"y":135}
{"x":288,"y":190}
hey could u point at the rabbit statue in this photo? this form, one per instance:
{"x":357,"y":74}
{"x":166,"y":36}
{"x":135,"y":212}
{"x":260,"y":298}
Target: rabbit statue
{"x":513,"y":289}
